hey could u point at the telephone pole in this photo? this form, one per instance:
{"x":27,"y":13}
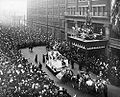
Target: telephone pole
{"x":24,"y":22}
{"x":47,"y":20}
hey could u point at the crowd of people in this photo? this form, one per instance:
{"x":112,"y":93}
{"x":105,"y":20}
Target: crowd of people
{"x":18,"y":77}
{"x":85,"y":83}
{"x":16,"y":74}
{"x":96,"y":63}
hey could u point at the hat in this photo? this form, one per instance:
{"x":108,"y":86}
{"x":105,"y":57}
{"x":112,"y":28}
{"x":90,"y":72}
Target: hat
{"x":60,"y":88}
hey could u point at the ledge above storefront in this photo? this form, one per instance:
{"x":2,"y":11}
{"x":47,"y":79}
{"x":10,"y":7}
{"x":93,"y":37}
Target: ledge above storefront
{"x":95,"y":19}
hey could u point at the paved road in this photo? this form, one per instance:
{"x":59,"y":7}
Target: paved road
{"x":40,"y":51}
{"x":112,"y":90}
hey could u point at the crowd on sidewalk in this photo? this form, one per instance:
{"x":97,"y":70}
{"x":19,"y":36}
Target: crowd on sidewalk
{"x":100,"y":65}
{"x":15,"y":74}
{"x":83,"y":80}
{"x":18,"y":77}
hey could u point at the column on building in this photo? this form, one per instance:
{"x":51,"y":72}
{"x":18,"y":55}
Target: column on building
{"x":107,"y":31}
{"x":107,"y":36}
{"x":66,"y":26}
{"x":53,"y":33}
{"x":90,"y":7}
{"x":76,"y":10}
{"x":76,"y":27}
{"x":53,"y":28}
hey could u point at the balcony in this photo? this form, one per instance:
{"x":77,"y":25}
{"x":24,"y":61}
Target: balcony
{"x":115,"y":43}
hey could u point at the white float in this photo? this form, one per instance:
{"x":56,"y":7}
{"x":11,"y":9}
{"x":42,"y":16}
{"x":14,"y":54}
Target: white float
{"x":56,"y":62}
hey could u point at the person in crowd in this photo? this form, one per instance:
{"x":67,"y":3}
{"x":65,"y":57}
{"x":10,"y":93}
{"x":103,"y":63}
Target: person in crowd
{"x":43,"y":58}
{"x":63,"y":63}
{"x":72,"y":64}
{"x":47,"y":57}
{"x":20,"y":77}
{"x":40,"y":65}
{"x":36,"y":59}
{"x":80,"y":66}
{"x":31,"y":48}
{"x":105,"y":90}
{"x":78,"y":76}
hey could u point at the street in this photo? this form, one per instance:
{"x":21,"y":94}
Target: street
{"x":40,"y":51}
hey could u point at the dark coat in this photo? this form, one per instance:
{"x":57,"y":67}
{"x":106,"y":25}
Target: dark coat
{"x":43,"y":58}
{"x":105,"y":91}
{"x":36,"y":60}
{"x":40,"y":66}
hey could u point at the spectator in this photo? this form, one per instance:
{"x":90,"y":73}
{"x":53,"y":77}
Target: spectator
{"x":105,"y":90}
{"x":36,"y":59}
{"x":43,"y":58}
{"x":40,"y":66}
{"x":72,"y":64}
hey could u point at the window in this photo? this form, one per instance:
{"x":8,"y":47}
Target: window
{"x":80,"y":10}
{"x":83,"y":10}
{"x":104,"y":11}
{"x":86,"y":10}
{"x":68,"y":10}
{"x":71,"y":11}
{"x":94,"y":11}
{"x":62,"y":10}
{"x":74,"y":11}
{"x":100,"y":12}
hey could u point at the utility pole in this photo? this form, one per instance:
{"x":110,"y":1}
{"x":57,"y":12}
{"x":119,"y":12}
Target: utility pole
{"x":14,"y":16}
{"x":47,"y":20}
{"x":90,"y":7}
{"x":19,"y":22}
{"x":24,"y":22}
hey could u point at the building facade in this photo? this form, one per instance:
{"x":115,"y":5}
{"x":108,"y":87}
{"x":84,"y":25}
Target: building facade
{"x":57,"y":17}
{"x":101,"y":12}
{"x":76,"y":11}
{"x":115,"y":35}
{"x":47,"y":15}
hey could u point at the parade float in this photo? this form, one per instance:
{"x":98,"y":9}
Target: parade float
{"x":56,"y":62}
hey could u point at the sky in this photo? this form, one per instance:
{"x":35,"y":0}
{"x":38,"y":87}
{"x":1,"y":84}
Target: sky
{"x":13,"y":7}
